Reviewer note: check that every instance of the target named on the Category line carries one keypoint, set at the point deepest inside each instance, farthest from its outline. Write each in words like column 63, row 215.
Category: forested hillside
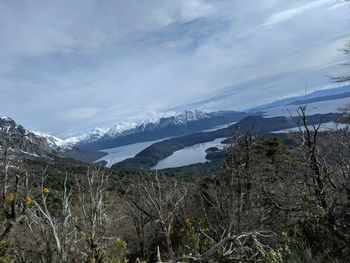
column 268, row 202
column 192, row 131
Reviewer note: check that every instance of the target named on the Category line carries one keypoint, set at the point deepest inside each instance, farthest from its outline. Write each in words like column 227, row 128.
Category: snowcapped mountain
column 86, row 146
column 118, row 130
column 191, row 116
column 21, row 141
column 156, row 128
column 90, row 136
column 56, row 144
column 128, row 128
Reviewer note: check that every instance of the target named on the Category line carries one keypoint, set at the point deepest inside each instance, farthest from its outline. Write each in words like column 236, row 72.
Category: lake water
column 327, row 126
column 220, row 127
column 118, row 154
column 188, row 155
column 319, row 107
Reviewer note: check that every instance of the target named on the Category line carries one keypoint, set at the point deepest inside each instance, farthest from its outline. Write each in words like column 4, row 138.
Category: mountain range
column 187, row 128
column 87, row 146
column 328, row 94
column 128, row 133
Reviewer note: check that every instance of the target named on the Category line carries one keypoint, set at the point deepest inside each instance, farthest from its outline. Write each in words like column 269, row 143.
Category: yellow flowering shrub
column 10, row 197
column 28, row 201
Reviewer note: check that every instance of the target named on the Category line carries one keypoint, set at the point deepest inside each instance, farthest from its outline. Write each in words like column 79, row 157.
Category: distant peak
column 156, row 120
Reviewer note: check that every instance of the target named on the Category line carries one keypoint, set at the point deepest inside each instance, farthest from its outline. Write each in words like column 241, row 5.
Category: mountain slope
column 189, row 122
column 67, row 148
column 150, row 156
column 21, row 141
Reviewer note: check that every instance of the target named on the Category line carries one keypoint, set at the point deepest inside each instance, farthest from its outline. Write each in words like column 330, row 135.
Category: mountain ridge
column 132, row 132
column 341, row 91
column 20, row 141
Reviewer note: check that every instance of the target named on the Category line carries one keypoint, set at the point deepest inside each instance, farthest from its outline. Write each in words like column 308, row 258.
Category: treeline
column 268, row 203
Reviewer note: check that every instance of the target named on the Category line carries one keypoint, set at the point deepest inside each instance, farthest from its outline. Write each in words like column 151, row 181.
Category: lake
column 118, row 154
column 188, row 155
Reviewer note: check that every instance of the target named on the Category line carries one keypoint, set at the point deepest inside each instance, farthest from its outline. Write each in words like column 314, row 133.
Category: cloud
column 71, row 65
column 77, row 114
column 289, row 14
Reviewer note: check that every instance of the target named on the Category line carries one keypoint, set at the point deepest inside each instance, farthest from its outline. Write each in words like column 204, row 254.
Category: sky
column 70, row 65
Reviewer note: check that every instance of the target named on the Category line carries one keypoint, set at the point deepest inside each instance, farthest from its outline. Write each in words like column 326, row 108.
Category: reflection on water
column 189, row 155
column 118, row 154
column 223, row 126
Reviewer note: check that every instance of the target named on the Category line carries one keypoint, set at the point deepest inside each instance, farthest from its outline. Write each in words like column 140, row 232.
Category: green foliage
column 194, row 237
column 118, row 252
column 263, row 186
column 5, row 250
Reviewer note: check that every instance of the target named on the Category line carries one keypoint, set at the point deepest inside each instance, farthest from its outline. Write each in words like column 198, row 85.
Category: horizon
column 105, row 63
column 134, row 122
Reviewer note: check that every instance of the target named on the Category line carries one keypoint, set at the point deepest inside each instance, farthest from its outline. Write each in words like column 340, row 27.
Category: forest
column 269, row 202
column 273, row 199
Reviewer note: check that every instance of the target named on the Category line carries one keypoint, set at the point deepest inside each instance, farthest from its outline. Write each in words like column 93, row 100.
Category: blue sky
column 67, row 66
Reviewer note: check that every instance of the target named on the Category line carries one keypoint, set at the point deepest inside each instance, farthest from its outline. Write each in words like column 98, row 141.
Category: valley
column 189, row 131
column 183, row 139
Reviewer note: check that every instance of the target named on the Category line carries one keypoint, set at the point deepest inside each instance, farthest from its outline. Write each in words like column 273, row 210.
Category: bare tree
column 326, row 174
column 233, row 248
column 61, row 226
column 345, row 50
column 162, row 202
column 142, row 217
column 228, row 199
column 315, row 177
column 93, row 215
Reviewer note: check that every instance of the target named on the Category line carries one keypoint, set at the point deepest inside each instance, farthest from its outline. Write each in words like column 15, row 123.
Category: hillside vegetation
column 268, row 202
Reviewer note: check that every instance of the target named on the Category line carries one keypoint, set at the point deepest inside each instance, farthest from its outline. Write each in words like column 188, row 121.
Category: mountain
column 56, row 144
column 330, row 94
column 127, row 128
column 258, row 125
column 181, row 124
column 25, row 143
column 20, row 141
column 86, row 146
column 90, row 136
column 67, row 148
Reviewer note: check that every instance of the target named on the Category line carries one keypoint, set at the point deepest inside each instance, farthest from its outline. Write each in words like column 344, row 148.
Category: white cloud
column 77, row 114
column 291, row 13
column 106, row 61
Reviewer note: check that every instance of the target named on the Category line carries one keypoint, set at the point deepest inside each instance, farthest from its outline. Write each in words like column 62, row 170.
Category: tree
column 92, row 215
column 156, row 201
column 60, row 225
column 14, row 187
column 346, row 51
column 326, row 188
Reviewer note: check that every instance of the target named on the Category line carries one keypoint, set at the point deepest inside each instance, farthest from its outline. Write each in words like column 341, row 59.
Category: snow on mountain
column 189, row 116
column 7, row 124
column 156, row 121
column 55, row 143
column 21, row 140
column 130, row 127
column 120, row 128
column 90, row 136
